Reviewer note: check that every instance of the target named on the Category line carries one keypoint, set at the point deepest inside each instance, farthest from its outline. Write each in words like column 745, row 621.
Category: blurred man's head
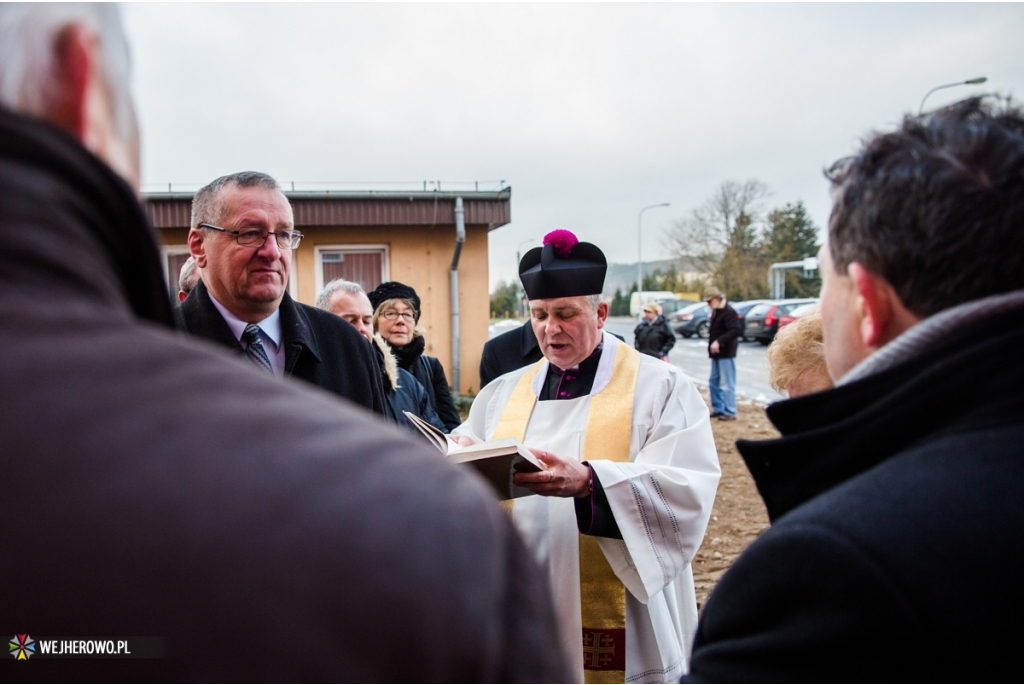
column 187, row 278
column 245, row 267
column 349, row 301
column 924, row 218
column 67, row 63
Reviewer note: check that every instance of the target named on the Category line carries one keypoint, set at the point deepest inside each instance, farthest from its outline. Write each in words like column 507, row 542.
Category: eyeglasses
column 391, row 315
column 257, row 237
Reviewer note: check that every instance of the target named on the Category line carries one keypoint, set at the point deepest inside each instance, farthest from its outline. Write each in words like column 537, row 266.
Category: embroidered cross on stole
column 602, row 594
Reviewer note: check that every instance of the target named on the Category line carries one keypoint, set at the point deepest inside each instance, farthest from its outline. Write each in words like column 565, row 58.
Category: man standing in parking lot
column 723, row 339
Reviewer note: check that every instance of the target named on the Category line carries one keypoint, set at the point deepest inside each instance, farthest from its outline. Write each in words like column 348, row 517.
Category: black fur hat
column 392, row 289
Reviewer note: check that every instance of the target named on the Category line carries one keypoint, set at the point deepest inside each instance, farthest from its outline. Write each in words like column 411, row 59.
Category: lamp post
column 968, row 82
column 519, row 296
column 639, row 258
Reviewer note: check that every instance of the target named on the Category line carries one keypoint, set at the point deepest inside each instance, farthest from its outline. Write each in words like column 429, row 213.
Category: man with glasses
column 242, row 237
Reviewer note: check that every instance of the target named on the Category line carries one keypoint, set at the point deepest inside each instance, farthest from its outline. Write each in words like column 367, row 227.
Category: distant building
column 370, row 237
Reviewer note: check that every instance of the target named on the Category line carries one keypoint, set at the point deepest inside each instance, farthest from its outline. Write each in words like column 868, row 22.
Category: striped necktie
column 254, row 347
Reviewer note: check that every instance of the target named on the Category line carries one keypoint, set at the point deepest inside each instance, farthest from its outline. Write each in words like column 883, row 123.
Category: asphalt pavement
column 691, row 355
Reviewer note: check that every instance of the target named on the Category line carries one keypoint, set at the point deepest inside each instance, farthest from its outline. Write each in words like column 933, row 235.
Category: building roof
column 359, row 208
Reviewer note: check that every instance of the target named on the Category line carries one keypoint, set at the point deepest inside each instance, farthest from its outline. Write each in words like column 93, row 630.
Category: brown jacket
column 154, row 485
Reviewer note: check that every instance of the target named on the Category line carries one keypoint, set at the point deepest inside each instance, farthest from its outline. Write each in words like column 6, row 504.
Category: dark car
column 670, row 307
column 742, row 308
column 692, row 320
column 762, row 321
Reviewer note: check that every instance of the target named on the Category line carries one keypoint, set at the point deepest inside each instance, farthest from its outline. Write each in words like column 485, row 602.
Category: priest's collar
column 568, row 384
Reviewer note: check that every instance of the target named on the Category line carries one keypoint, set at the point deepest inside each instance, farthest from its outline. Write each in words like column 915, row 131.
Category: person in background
column 796, row 357
column 402, row 392
column 723, row 340
column 895, row 498
column 507, row 352
column 187, row 278
column 163, row 488
column 652, row 336
column 396, row 311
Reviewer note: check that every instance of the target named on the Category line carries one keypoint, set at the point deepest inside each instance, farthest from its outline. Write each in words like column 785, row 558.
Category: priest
column 630, row 474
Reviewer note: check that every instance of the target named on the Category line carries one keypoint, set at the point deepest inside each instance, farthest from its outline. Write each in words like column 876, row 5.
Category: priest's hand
column 560, row 477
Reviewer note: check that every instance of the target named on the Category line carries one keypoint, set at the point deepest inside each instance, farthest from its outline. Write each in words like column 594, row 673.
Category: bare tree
column 720, row 239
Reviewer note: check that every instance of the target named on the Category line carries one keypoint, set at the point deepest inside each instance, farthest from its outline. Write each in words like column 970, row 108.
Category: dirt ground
column 738, row 516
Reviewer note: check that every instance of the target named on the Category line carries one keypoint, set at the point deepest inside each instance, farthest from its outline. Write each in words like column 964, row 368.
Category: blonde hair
column 798, row 349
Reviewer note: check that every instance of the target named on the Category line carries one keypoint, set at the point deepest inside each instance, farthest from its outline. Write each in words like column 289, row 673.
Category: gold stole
column 602, row 594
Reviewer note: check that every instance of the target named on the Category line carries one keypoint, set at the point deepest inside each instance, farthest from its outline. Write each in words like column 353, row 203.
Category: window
column 366, row 265
column 174, row 257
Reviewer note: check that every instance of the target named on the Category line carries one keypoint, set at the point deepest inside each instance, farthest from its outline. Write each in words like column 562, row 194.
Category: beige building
column 372, row 237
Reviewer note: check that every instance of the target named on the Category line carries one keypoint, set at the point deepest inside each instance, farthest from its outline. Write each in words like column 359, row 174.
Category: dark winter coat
column 724, row 327
column 897, row 504
column 654, row 338
column 156, row 486
column 429, row 372
column 402, row 392
column 507, row 352
column 320, row 348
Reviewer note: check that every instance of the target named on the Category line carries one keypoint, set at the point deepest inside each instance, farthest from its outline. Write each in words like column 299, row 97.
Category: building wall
column 418, row 256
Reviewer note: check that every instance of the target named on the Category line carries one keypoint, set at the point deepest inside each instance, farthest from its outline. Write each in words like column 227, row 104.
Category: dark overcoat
column 155, row 486
column 725, row 328
column 507, row 352
column 654, row 338
column 320, row 348
column 897, row 508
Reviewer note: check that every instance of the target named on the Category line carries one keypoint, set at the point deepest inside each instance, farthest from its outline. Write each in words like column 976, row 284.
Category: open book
column 497, row 460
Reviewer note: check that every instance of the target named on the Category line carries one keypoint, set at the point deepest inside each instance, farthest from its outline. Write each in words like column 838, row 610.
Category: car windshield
column 693, row 308
column 759, row 310
column 802, row 310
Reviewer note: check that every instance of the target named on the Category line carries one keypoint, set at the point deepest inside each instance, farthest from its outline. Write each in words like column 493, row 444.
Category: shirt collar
column 270, row 327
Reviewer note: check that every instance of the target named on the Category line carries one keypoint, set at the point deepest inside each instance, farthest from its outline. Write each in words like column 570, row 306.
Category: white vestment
column 661, row 500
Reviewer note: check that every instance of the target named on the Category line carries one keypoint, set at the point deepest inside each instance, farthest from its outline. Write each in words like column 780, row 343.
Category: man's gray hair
column 206, row 203
column 323, row 300
column 594, row 301
column 189, row 275
column 28, row 47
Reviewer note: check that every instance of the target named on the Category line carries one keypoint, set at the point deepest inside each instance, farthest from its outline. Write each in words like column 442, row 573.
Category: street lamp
column 968, row 82
column 519, row 297
column 639, row 259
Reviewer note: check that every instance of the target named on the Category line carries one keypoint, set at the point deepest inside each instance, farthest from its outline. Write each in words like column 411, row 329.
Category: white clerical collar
column 270, row 327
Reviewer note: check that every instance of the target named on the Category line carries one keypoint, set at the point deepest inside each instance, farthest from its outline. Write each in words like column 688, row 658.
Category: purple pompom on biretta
column 562, row 241
column 564, row 267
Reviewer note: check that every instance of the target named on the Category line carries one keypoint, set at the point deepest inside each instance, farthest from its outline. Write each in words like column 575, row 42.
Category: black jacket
column 507, row 352
column 156, row 486
column 726, row 329
column 654, row 338
column 429, row 372
column 320, row 348
column 897, row 504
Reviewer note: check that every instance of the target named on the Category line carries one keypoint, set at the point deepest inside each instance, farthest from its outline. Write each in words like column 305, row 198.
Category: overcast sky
column 589, row 111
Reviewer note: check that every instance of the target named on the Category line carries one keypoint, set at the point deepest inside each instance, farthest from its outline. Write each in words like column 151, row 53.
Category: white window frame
column 171, row 251
column 318, row 260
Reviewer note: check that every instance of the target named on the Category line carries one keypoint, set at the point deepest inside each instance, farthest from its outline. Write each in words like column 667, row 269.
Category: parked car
column 670, row 306
column 692, row 320
column 742, row 308
column 762, row 321
column 796, row 314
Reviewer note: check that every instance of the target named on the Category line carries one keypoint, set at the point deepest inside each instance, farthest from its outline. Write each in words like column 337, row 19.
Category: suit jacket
column 165, row 488
column 508, row 352
column 320, row 348
column 897, row 527
column 726, row 329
